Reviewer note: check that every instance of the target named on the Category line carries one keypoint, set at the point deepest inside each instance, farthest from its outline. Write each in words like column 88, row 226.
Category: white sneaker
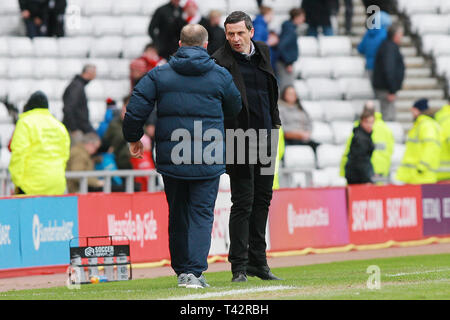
column 182, row 279
column 196, row 283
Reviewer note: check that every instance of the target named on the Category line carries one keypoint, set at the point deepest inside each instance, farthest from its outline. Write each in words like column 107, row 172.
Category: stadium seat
column 301, row 89
column 77, row 47
column 8, row 7
column 116, row 89
column 127, row 7
column 423, row 24
column 429, row 41
column 107, row 47
column 314, row 109
column 95, row 90
column 119, row 69
column 335, row 177
column 4, row 47
column 4, row 115
column 97, row 7
column 45, row 47
column 46, row 68
column 56, row 109
column 310, row 67
column 444, row 7
column 419, row 6
column 329, row 155
column 277, row 22
column 337, row 110
column 97, row 109
column 301, row 157
column 442, row 65
column 20, row 47
column 321, row 132
column 3, row 88
column 341, row 131
column 308, row 46
column 5, row 156
column 79, row 26
column 4, row 67
column 69, row 68
column 148, row 8
column 135, row 26
column 249, row 7
column 107, row 26
column 102, row 66
column 205, row 6
column 357, row 88
column 20, row 68
column 134, row 46
column 324, row 89
column 397, row 156
column 397, row 131
column 6, row 132
column 335, row 46
column 442, row 48
column 348, row 67
column 320, row 179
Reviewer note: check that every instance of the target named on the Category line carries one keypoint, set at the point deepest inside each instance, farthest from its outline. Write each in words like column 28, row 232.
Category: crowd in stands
column 369, row 148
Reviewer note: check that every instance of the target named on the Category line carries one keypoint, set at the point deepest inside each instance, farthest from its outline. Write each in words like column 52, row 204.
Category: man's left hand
column 136, row 149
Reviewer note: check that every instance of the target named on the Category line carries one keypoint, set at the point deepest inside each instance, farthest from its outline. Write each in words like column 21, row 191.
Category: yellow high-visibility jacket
column 384, row 142
column 280, row 154
column 422, row 154
column 40, row 150
column 443, row 118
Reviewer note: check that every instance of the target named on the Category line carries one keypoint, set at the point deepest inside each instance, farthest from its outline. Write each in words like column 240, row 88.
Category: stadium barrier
column 35, row 231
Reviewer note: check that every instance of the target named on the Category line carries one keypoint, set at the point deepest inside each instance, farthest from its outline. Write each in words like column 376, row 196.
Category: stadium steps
column 419, row 82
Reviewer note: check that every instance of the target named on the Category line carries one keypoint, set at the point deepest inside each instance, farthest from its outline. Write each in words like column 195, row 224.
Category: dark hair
column 283, row 93
column 149, row 46
column 295, row 12
column 238, row 16
column 367, row 113
column 393, row 29
column 265, row 10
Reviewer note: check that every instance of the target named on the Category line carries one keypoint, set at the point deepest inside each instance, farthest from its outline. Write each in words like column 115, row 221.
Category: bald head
column 194, row 35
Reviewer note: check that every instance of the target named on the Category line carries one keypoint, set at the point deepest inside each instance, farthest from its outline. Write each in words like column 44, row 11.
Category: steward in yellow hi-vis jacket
column 423, row 148
column 40, row 149
column 383, row 140
column 443, row 119
column 280, row 154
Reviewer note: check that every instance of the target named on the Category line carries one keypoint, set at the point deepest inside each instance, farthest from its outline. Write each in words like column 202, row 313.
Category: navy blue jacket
column 191, row 87
column 288, row 46
column 389, row 68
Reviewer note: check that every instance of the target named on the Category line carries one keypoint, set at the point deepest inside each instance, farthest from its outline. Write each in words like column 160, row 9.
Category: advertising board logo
column 367, row 215
column 401, row 212
column 307, row 218
column 89, row 251
column 51, row 233
column 4, row 235
column 100, row 251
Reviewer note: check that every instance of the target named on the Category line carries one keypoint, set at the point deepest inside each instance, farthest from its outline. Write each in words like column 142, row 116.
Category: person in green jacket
column 40, row 149
column 383, row 140
column 443, row 119
column 423, row 148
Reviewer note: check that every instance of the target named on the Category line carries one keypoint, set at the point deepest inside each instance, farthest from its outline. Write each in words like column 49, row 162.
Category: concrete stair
column 419, row 82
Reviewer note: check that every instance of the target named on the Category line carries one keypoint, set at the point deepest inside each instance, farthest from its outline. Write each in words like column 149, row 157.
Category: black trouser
column 348, row 15
column 250, row 199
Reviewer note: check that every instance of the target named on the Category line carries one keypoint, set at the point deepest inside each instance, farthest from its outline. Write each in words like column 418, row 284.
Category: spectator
column 57, row 9
column 81, row 160
column 383, row 140
column 318, row 14
column 443, row 119
column 111, row 112
column 372, row 40
column 288, row 47
column 216, row 34
column 389, row 72
column 261, row 24
column 35, row 15
column 40, row 150
column 165, row 28
column 146, row 62
column 191, row 14
column 348, row 16
column 251, row 189
column 75, row 110
column 359, row 167
column 190, row 88
column 297, row 124
column 423, row 147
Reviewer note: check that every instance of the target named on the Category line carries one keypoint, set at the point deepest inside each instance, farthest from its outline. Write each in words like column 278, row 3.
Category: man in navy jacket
column 193, row 95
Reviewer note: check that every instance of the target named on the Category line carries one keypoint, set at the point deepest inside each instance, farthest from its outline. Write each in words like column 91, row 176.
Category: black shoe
column 239, row 277
column 263, row 274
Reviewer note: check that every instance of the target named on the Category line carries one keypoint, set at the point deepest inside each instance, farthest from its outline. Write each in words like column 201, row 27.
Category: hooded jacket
column 443, row 118
column 40, row 150
column 374, row 38
column 193, row 94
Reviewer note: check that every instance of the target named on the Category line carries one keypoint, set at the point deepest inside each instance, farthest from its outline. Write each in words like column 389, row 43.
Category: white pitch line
column 417, row 272
column 208, row 295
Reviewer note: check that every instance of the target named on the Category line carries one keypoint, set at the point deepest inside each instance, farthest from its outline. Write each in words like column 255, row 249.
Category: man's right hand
column 25, row 14
column 137, row 149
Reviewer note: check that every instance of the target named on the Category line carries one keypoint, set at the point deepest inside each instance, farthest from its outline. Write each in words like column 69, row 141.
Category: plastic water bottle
column 109, row 270
column 80, row 276
column 92, row 271
column 122, row 270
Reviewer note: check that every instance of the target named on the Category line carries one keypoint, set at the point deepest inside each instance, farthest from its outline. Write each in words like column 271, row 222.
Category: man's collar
column 248, row 56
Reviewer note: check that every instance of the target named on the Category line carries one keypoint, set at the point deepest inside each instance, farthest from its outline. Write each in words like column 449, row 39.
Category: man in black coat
column 75, row 110
column 34, row 14
column 318, row 14
column 251, row 189
column 56, row 11
column 389, row 72
column 165, row 28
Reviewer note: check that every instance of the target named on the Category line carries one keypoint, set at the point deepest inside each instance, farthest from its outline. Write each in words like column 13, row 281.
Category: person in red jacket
column 146, row 62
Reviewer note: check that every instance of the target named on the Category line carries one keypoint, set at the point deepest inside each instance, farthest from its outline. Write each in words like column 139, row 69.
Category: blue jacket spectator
column 190, row 87
column 288, row 46
column 374, row 37
column 261, row 29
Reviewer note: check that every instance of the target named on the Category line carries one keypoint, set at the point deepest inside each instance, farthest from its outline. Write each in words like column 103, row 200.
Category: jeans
column 191, row 217
column 312, row 31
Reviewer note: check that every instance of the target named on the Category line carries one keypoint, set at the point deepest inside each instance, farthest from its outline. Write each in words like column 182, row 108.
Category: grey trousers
column 387, row 108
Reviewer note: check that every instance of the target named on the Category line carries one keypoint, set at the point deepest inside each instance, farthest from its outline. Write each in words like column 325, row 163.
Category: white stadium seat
column 97, row 109
column 301, row 157
column 321, row 132
column 135, row 26
column 4, row 47
column 348, row 67
column 341, row 131
column 134, row 46
column 77, row 47
column 429, row 42
column 4, row 115
column 324, row 88
column 45, row 47
column 56, row 108
column 335, row 46
column 310, row 67
column 249, row 7
column 357, row 88
column 308, row 46
column 397, row 131
column 116, row 89
column 20, row 68
column 107, row 47
column 329, row 155
column 6, row 132
column 119, row 68
column 20, row 47
column 4, row 63
column 5, row 157
column 69, row 68
column 95, row 90
column 102, row 67
column 301, row 89
column 127, row 7
column 338, row 110
column 97, row 7
column 397, row 156
column 314, row 109
column 107, row 26
column 9, row 7
column 419, row 6
column 46, row 68
column 148, row 8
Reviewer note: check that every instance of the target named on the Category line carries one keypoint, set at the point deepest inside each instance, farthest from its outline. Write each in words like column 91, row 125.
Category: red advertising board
column 300, row 218
column 142, row 217
column 381, row 213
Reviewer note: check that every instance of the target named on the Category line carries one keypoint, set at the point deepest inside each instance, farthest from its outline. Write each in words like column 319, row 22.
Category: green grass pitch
column 412, row 277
